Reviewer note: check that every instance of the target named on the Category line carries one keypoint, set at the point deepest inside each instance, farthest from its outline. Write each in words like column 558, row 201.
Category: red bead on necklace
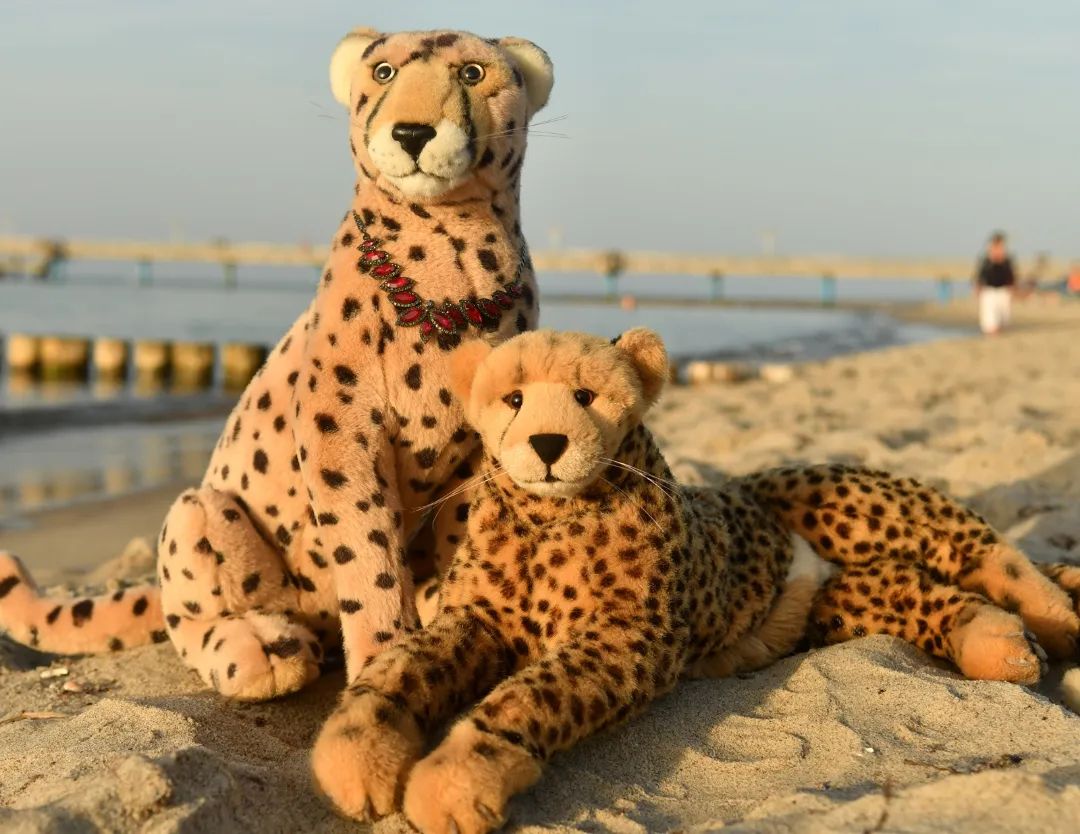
column 413, row 310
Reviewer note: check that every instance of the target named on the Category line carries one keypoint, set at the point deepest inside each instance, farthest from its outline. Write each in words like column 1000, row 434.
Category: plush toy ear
column 535, row 65
column 346, row 57
column 464, row 362
column 649, row 357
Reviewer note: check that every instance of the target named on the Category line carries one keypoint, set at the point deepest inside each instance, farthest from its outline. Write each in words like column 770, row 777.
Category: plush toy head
column 554, row 407
column 431, row 111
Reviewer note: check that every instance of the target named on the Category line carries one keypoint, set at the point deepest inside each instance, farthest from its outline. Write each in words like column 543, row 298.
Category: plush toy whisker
column 635, row 503
column 642, row 472
column 561, row 118
column 655, row 480
column 325, row 114
column 548, row 134
column 530, row 129
column 465, row 486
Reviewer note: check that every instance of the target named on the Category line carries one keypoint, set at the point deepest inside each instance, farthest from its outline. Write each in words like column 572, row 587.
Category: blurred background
column 881, row 141
column 842, row 126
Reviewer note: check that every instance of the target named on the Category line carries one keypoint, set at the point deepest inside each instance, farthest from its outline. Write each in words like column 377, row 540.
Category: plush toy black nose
column 412, row 137
column 549, row 447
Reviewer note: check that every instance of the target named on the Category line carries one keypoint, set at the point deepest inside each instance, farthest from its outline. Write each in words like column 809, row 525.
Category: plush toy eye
column 383, row 72
column 472, row 73
column 584, row 397
column 514, row 399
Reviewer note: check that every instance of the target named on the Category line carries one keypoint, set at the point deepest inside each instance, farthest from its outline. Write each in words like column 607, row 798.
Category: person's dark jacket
column 996, row 273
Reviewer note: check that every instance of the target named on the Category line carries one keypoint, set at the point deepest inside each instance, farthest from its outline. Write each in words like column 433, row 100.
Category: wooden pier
column 44, row 257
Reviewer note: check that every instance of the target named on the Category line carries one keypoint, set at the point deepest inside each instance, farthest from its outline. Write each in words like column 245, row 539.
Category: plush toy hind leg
column 853, row 516
column 1066, row 577
column 889, row 596
column 778, row 635
column 230, row 603
column 996, row 569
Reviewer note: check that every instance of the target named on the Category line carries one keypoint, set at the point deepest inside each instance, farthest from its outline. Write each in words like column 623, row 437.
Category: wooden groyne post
column 145, row 362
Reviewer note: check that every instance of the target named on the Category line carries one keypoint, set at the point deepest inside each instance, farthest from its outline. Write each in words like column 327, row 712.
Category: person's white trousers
column 995, row 305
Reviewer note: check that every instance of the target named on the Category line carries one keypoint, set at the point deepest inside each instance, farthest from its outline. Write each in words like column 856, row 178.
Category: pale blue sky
column 840, row 125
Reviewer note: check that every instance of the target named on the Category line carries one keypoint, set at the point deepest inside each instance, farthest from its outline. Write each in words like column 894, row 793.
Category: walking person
column 995, row 284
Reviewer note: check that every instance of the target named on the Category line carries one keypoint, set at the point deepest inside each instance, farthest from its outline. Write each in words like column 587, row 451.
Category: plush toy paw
column 1043, row 603
column 364, row 753
column 993, row 645
column 1067, row 577
column 462, row 787
column 256, row 657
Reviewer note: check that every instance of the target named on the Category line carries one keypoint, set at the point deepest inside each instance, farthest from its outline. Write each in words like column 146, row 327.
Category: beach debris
column 1029, row 510
column 698, row 372
column 1062, row 541
column 730, row 372
column 84, row 687
column 702, row 371
column 1070, row 689
column 32, row 715
column 776, row 373
column 55, row 672
column 974, row 765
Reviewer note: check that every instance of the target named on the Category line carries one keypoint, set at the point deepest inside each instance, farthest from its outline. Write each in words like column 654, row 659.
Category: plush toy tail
column 131, row 617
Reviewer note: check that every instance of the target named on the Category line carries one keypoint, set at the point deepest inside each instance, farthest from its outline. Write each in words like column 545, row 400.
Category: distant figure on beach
column 995, row 284
column 1070, row 285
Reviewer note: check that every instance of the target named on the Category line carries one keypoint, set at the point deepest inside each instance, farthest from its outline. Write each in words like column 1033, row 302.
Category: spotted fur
column 590, row 583
column 296, row 538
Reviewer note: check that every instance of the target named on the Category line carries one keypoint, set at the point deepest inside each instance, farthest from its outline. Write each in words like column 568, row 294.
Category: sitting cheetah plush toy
column 589, row 583
column 322, row 474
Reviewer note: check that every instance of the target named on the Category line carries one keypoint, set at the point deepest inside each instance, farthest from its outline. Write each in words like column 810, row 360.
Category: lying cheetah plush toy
column 349, row 430
column 590, row 582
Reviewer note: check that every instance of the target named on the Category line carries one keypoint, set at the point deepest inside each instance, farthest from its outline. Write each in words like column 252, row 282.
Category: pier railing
column 45, row 257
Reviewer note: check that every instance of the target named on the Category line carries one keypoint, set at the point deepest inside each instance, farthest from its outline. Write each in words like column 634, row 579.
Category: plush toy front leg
column 463, row 787
column 497, row 750
column 369, row 744
column 350, row 473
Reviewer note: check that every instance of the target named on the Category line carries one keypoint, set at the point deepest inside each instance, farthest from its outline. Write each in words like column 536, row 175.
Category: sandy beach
column 868, row 736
